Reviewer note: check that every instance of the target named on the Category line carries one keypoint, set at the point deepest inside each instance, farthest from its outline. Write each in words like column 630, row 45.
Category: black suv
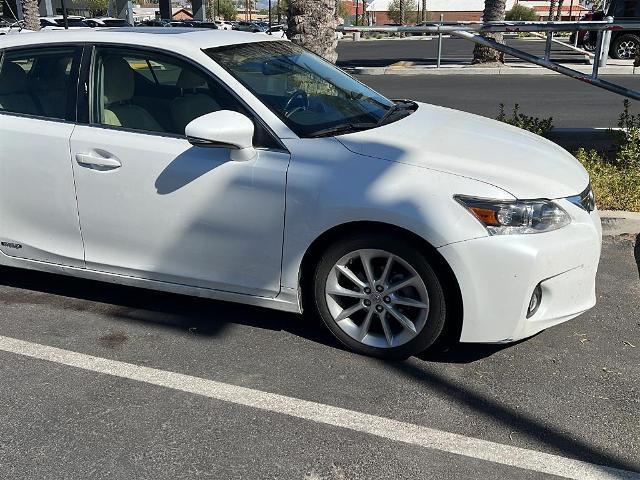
column 624, row 43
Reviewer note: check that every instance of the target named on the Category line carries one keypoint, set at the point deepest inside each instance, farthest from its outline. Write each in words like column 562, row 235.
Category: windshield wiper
column 395, row 108
column 341, row 128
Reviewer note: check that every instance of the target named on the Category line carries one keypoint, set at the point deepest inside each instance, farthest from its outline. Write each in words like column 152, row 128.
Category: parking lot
column 572, row 391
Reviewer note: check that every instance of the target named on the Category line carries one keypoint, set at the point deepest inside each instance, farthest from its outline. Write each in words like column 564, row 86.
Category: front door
column 152, row 205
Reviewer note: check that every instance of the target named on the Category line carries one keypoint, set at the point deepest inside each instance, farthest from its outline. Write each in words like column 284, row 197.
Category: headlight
column 503, row 217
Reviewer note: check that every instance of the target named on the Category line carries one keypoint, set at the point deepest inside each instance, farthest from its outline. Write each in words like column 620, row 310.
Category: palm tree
column 559, row 14
column 552, row 9
column 31, row 14
column 312, row 24
column 494, row 11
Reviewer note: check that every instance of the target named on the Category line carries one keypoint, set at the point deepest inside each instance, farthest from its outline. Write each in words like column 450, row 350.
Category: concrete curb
column 616, row 223
column 403, row 69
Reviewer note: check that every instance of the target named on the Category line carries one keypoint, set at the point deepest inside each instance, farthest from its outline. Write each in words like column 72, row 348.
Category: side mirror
column 224, row 129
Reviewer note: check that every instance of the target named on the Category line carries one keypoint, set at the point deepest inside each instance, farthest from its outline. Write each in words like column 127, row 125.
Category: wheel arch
column 453, row 294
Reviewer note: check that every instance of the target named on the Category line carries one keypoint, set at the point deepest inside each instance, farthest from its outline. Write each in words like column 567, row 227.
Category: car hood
column 525, row 165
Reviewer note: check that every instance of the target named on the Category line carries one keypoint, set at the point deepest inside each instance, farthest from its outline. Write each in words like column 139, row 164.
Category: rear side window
column 38, row 82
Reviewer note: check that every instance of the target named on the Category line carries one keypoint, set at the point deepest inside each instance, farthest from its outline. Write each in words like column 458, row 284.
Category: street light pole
column 269, row 13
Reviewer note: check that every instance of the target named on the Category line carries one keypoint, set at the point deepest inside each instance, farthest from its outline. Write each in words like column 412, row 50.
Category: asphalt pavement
column 572, row 391
column 571, row 103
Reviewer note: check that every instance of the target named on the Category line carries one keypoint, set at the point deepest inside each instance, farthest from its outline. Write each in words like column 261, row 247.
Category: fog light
column 534, row 303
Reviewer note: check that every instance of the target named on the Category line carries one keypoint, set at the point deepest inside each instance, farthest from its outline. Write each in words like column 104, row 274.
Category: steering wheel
column 297, row 95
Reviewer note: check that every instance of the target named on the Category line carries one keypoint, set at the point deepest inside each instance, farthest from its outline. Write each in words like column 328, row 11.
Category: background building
column 471, row 10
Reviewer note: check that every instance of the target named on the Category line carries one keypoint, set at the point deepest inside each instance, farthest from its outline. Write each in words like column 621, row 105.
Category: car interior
column 152, row 93
column 36, row 84
column 157, row 94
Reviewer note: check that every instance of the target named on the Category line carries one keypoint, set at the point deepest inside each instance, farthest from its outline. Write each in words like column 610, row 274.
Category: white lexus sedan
column 238, row 167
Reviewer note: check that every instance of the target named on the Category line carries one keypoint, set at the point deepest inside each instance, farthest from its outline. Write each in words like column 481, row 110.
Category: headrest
column 13, row 78
column 190, row 80
column 118, row 80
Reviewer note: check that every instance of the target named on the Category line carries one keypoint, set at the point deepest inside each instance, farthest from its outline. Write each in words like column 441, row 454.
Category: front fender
column 328, row 186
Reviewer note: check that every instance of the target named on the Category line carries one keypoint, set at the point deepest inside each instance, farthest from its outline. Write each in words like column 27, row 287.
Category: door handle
column 97, row 162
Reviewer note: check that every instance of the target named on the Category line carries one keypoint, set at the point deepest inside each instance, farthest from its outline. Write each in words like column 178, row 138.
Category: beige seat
column 119, row 87
column 190, row 104
column 14, row 91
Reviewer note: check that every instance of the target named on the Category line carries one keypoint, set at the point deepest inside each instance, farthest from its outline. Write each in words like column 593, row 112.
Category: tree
column 494, row 11
column 221, row 8
column 312, row 24
column 342, row 10
column 400, row 10
column 31, row 14
column 552, row 9
column 96, row 8
column 559, row 14
column 521, row 13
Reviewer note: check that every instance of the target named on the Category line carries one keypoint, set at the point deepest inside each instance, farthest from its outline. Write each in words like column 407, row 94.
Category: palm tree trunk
column 552, row 9
column 312, row 24
column 559, row 15
column 424, row 10
column 494, row 11
column 31, row 14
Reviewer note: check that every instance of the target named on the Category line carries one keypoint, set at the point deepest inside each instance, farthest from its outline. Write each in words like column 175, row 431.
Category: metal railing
column 473, row 31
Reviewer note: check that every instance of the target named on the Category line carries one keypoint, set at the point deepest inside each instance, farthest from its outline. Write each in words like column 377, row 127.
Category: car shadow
column 516, row 420
column 200, row 316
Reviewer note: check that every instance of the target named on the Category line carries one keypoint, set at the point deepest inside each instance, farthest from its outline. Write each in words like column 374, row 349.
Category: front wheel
column 379, row 296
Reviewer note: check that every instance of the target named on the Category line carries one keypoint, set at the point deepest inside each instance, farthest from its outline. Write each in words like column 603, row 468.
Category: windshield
column 309, row 94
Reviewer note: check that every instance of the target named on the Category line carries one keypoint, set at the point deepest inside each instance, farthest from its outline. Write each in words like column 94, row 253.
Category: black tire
column 410, row 253
column 625, row 47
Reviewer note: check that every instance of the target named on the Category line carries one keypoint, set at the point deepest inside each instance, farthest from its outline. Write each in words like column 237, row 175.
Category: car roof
column 173, row 39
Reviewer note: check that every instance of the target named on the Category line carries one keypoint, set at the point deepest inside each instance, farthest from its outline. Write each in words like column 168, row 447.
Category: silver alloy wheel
column 627, row 49
column 377, row 298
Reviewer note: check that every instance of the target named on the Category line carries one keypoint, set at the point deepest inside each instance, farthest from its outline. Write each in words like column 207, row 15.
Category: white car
column 238, row 167
column 57, row 23
column 224, row 25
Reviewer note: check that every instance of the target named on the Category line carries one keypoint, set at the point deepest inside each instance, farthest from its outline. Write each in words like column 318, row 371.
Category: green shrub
column 539, row 126
column 616, row 187
column 616, row 181
column 521, row 13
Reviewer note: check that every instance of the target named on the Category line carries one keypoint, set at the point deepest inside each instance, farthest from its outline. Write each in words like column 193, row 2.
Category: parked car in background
column 153, row 23
column 245, row 168
column 624, row 43
column 194, row 24
column 277, row 31
column 106, row 22
column 57, row 23
column 224, row 25
column 249, row 27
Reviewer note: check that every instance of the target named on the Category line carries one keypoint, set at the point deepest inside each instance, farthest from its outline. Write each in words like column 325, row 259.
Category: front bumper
column 497, row 276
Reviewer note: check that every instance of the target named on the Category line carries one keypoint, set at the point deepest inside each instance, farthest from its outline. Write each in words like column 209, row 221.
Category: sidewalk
column 614, row 67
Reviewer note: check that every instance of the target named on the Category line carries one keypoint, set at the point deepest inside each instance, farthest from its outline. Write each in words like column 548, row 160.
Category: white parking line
column 326, row 414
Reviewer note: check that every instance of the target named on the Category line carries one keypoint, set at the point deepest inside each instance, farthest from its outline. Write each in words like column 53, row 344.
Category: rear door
column 38, row 211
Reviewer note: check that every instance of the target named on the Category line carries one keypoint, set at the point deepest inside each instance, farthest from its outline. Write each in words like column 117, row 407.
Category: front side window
column 310, row 95
column 156, row 93
column 38, row 82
